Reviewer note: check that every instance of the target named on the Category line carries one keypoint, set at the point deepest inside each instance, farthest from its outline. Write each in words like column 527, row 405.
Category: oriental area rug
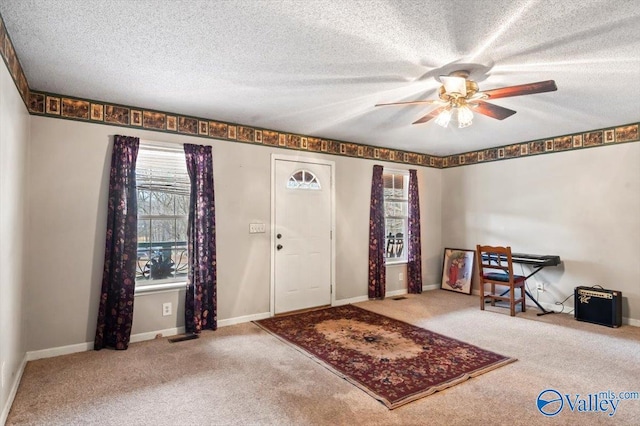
column 391, row 360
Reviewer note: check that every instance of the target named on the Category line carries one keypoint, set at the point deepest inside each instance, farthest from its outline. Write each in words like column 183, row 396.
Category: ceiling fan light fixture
column 444, row 117
column 459, row 95
column 455, row 86
column 465, row 116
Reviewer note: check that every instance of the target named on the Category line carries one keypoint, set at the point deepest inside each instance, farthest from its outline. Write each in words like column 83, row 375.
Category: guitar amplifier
column 598, row 305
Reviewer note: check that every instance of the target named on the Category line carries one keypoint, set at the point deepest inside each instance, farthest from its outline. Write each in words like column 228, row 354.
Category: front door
column 302, row 231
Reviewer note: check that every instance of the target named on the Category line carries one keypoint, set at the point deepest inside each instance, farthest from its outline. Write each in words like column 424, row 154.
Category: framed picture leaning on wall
column 457, row 270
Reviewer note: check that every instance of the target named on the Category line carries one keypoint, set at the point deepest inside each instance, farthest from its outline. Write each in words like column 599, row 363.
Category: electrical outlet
column 400, row 276
column 166, row 309
column 540, row 287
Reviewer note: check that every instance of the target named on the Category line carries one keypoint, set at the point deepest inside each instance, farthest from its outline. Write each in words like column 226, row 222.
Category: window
column 396, row 214
column 303, row 179
column 163, row 188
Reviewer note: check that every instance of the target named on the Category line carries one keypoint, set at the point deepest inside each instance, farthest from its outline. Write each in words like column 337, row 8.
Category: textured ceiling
column 318, row 68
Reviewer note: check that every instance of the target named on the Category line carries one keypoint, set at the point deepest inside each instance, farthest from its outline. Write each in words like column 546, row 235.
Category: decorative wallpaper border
column 72, row 108
column 10, row 58
column 59, row 106
column 589, row 139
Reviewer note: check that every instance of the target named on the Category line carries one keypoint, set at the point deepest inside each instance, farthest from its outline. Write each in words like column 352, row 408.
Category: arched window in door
column 303, row 179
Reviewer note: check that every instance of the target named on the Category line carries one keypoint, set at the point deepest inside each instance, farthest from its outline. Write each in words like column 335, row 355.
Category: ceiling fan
column 461, row 96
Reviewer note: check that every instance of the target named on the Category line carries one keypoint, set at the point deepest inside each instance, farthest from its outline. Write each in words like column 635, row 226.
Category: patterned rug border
column 410, row 398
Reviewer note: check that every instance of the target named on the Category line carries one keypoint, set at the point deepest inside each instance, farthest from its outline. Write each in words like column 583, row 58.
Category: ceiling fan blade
column 433, row 114
column 491, row 110
column 522, row 89
column 428, row 101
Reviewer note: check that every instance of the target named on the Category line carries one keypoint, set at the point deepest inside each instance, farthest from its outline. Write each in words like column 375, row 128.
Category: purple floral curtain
column 414, row 252
column 377, row 268
column 200, row 305
column 115, row 314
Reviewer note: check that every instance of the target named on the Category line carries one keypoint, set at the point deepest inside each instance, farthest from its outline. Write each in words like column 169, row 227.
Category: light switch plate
column 257, row 228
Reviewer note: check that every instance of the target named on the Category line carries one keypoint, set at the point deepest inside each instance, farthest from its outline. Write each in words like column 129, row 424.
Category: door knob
column 279, row 236
column 279, row 246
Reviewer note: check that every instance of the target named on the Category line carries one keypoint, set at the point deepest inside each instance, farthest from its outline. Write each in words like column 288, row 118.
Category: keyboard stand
column 544, row 311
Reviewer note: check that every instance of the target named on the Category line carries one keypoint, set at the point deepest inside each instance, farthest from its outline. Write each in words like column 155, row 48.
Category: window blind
column 162, row 169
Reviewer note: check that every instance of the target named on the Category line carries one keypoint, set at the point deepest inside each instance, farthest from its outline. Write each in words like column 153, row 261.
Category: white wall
column 581, row 205
column 68, row 169
column 14, row 136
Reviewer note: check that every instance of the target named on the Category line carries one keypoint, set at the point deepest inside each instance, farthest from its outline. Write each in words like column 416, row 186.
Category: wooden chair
column 495, row 267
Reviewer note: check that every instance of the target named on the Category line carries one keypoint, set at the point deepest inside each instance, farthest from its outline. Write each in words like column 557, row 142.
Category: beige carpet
column 244, row 376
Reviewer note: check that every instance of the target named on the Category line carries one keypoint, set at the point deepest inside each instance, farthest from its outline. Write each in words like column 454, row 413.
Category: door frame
column 332, row 256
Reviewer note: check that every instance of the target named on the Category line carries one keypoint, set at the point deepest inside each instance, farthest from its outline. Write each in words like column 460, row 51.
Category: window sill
column 396, row 262
column 159, row 288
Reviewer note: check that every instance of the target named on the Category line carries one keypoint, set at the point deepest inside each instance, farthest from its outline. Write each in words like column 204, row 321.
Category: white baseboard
column 14, row 390
column 60, row 350
column 150, row 335
column 555, row 308
column 87, row 346
column 431, row 287
column 350, row 301
column 547, row 306
column 387, row 294
column 139, row 337
column 242, row 319
column 395, row 293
